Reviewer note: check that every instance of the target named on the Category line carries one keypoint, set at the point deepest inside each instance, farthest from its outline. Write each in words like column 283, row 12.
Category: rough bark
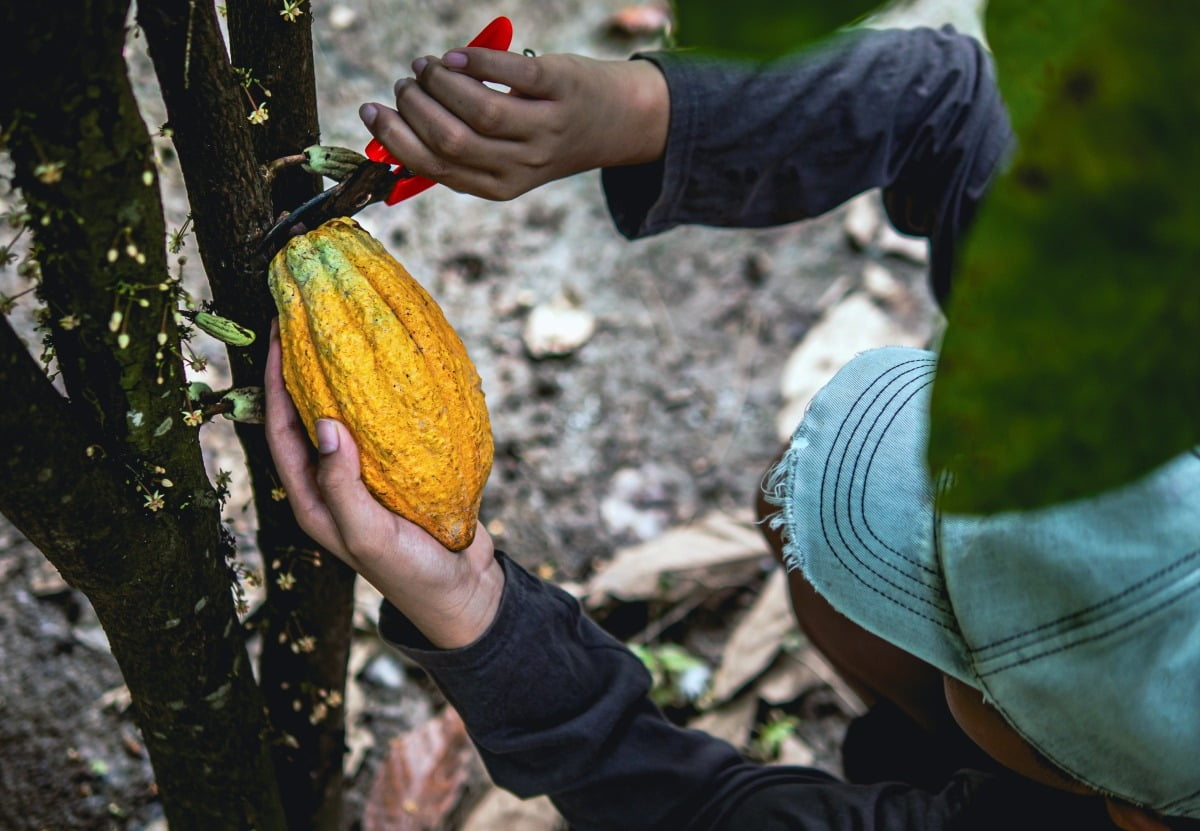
column 109, row 482
column 320, row 601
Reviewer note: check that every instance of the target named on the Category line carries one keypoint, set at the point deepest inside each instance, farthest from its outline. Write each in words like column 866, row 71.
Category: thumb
column 339, row 478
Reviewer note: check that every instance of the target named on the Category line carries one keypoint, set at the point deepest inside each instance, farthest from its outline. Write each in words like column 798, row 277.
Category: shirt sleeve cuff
column 400, row 632
column 641, row 198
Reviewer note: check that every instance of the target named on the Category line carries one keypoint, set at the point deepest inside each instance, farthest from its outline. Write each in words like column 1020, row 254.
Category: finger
column 367, row 527
column 472, row 175
column 488, row 112
column 456, row 116
column 292, row 453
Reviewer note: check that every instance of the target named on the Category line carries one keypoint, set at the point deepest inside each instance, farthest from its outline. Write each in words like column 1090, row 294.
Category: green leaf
column 1070, row 364
column 762, row 28
column 772, row 734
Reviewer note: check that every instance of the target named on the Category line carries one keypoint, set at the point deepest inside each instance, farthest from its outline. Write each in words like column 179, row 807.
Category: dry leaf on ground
column 789, row 678
column 698, row 551
column 732, row 721
column 641, row 20
column 853, row 325
column 500, row 810
column 422, row 778
column 756, row 640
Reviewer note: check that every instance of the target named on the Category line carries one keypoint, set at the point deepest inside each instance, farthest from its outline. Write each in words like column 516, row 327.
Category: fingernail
column 368, row 113
column 418, row 65
column 455, row 59
column 327, row 436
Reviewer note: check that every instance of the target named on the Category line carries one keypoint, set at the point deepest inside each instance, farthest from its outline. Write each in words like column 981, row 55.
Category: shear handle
column 496, row 35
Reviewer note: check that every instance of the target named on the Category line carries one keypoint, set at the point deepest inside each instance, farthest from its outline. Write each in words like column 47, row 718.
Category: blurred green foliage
column 761, row 28
column 678, row 677
column 1070, row 364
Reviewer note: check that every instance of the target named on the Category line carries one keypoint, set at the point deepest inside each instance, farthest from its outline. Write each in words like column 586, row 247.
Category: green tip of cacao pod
column 334, row 162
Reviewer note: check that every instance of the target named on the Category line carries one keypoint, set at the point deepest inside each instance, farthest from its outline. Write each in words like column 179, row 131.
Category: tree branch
column 320, row 602
column 279, row 53
column 222, row 155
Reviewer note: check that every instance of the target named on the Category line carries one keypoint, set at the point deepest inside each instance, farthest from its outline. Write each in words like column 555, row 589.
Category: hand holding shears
column 496, row 35
column 380, row 178
column 563, row 114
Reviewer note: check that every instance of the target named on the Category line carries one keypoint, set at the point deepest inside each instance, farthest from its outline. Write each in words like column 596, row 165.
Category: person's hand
column 450, row 597
column 564, row 114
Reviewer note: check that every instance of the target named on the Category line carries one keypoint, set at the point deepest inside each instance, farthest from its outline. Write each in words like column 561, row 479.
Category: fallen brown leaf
column 756, row 640
column 692, row 555
column 641, row 20
column 422, row 778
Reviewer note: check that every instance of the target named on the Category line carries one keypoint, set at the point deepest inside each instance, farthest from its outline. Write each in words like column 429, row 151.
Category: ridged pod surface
column 365, row 344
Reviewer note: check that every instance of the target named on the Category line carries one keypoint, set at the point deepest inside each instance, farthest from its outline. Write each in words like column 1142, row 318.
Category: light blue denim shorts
column 1079, row 622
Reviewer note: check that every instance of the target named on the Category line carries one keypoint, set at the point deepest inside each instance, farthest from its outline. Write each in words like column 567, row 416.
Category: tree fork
column 85, row 475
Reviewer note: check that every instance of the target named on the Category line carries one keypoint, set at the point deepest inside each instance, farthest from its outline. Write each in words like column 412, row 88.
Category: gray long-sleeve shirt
column 914, row 112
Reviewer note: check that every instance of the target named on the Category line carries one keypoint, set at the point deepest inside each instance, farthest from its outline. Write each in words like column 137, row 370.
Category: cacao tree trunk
column 106, row 476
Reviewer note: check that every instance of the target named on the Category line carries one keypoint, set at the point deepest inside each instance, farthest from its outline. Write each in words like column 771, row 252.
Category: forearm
column 916, row 113
column 631, row 108
column 558, row 707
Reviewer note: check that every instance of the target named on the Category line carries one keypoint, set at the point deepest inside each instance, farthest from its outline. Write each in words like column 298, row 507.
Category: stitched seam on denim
column 1012, row 722
column 833, row 549
column 1028, row 659
column 1068, row 769
column 939, row 588
column 1114, row 599
column 858, row 445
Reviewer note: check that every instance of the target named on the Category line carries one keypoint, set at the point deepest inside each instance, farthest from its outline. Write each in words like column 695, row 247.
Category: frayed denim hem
column 779, row 490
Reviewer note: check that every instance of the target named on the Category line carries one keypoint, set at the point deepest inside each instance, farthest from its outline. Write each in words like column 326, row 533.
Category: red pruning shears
column 496, row 35
column 374, row 180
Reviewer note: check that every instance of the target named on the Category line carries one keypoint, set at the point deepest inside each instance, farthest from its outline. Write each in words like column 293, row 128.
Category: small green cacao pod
column 247, row 404
column 223, row 329
column 335, row 162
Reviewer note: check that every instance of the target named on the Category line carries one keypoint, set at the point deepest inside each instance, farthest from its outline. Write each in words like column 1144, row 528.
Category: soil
column 666, row 413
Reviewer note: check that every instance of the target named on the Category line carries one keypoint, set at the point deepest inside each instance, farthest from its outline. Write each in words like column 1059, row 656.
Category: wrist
column 644, row 105
column 479, row 610
column 463, row 614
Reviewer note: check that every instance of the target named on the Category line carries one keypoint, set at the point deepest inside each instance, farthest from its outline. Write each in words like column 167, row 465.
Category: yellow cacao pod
column 365, row 344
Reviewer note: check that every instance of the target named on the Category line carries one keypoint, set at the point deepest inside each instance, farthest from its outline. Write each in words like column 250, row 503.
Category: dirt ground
column 666, row 413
